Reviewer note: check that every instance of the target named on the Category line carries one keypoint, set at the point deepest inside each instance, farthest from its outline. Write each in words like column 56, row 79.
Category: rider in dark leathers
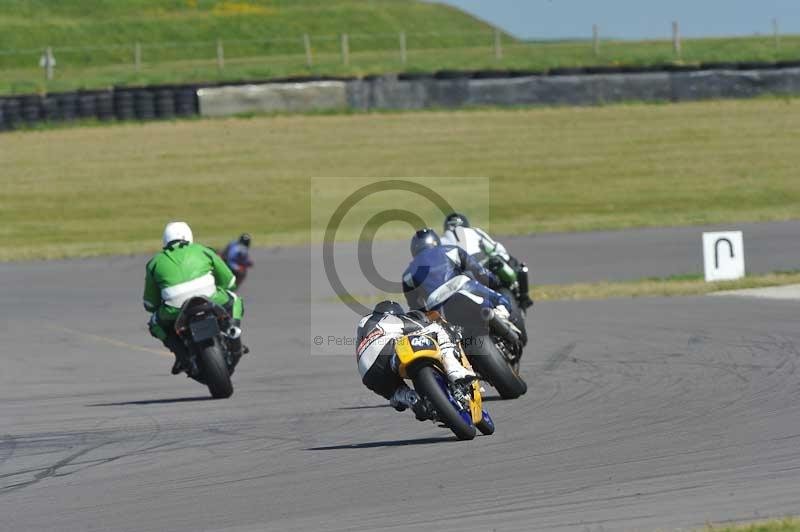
column 375, row 355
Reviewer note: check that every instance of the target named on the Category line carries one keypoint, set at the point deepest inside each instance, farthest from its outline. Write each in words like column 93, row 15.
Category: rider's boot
column 525, row 300
column 181, row 354
column 403, row 397
column 178, row 366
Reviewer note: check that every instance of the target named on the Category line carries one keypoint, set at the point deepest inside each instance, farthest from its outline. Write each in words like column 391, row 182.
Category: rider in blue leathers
column 436, row 272
column 237, row 256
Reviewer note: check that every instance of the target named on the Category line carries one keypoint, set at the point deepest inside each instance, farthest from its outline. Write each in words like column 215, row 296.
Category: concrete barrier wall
column 273, row 97
column 388, row 93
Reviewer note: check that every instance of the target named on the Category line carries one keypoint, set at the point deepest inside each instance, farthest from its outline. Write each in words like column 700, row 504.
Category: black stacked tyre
column 31, row 109
column 144, row 104
column 186, row 101
column 124, row 105
column 87, row 106
column 50, row 109
column 67, row 105
column 12, row 112
column 165, row 104
column 104, row 105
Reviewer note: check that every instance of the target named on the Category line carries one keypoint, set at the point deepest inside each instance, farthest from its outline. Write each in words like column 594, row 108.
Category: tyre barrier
column 31, row 109
column 165, row 104
column 104, row 105
column 123, row 105
column 50, row 110
column 144, row 104
column 756, row 65
column 87, row 106
column 453, row 74
column 12, row 113
column 67, row 105
column 186, row 101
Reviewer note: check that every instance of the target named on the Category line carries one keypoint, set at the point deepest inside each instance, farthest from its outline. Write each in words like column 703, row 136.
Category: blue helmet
column 424, row 239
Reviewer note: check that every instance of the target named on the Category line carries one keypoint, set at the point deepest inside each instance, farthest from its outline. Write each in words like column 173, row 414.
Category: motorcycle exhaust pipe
column 499, row 325
column 233, row 333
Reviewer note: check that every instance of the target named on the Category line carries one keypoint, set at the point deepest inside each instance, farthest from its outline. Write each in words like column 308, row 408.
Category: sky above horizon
column 635, row 19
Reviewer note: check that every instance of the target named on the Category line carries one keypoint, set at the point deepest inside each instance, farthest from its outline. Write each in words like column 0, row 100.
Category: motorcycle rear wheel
column 215, row 372
column 425, row 384
column 487, row 360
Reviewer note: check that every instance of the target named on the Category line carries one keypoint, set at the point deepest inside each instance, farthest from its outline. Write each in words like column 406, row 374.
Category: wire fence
column 66, row 66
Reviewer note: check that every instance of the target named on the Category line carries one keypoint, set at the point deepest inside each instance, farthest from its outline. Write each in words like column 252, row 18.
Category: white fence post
column 403, row 49
column 595, row 40
column 776, row 32
column 345, row 49
column 48, row 62
column 498, row 45
column 307, row 46
column 220, row 56
column 676, row 38
column 137, row 56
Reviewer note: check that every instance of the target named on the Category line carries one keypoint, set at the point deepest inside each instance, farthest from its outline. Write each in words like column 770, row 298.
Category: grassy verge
column 94, row 42
column 788, row 524
column 74, row 192
column 684, row 285
column 375, row 55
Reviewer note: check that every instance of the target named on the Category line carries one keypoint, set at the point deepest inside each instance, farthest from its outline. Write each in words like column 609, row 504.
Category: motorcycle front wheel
column 426, row 385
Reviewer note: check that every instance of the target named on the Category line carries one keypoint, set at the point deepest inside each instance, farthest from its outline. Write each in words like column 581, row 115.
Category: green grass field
column 94, row 42
column 681, row 285
column 789, row 524
column 100, row 190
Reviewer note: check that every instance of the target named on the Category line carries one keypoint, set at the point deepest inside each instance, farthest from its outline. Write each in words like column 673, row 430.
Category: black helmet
column 389, row 307
column 423, row 239
column 455, row 219
column 245, row 239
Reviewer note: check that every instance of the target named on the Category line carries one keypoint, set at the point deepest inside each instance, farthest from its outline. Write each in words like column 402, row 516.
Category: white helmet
column 177, row 231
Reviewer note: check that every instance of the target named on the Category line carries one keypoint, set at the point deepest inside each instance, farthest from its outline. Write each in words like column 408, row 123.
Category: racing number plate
column 204, row 330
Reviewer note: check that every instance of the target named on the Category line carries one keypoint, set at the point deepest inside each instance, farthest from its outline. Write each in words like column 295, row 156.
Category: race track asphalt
column 641, row 414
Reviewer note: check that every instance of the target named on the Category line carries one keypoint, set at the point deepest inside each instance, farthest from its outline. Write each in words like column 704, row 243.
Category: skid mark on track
column 110, row 341
column 78, row 446
column 7, row 446
column 555, row 360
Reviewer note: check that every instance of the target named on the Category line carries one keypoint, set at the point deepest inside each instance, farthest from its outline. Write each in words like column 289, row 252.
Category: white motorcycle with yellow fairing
column 458, row 406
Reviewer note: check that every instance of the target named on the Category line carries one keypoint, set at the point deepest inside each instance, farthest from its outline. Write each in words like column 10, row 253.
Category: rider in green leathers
column 181, row 270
